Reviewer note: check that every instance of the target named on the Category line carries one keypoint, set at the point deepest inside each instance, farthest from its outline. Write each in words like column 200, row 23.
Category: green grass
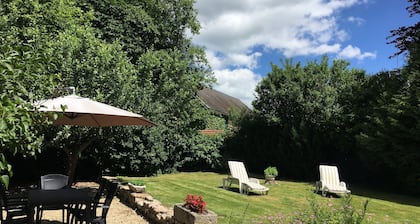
column 285, row 197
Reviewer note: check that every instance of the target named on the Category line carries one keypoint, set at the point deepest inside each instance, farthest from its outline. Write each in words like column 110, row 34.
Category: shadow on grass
column 232, row 189
column 236, row 190
column 370, row 192
column 380, row 194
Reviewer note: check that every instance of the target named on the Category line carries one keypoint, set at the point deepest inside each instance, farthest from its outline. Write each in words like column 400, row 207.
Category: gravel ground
column 119, row 213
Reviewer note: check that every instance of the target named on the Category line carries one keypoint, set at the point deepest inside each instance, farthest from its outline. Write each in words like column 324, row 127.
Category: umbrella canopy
column 80, row 111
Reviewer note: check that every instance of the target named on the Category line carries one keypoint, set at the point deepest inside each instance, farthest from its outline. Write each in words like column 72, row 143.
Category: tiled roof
column 220, row 102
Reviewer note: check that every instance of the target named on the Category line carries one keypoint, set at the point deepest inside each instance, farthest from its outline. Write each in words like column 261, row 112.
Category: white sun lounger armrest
column 234, row 180
column 228, row 181
column 343, row 184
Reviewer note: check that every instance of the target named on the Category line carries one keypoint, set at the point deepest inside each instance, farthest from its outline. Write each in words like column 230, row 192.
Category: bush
column 344, row 213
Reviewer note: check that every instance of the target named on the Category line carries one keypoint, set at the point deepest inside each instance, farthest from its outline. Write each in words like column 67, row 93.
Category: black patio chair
column 15, row 206
column 80, row 213
column 52, row 182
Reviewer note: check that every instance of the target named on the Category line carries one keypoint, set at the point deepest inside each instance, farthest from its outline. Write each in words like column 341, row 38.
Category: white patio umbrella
column 80, row 111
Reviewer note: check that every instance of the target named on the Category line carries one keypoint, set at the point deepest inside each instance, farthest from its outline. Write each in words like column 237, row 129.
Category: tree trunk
column 73, row 155
column 73, row 158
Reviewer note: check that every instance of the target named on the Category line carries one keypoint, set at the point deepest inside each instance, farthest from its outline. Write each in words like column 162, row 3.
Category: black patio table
column 65, row 196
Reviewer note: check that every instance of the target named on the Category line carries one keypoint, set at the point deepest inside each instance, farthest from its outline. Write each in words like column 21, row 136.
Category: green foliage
column 215, row 122
column 271, row 171
column 98, row 70
column 168, row 72
column 345, row 213
column 297, row 117
column 406, row 36
column 368, row 121
column 5, row 171
column 20, row 124
column 388, row 128
column 144, row 25
column 308, row 94
column 236, row 116
column 167, row 86
column 130, row 54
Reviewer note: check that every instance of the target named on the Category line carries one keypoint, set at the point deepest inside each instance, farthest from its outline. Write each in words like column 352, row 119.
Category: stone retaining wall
column 144, row 204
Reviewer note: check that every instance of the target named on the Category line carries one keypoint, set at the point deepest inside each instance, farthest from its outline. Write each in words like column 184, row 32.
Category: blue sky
column 242, row 37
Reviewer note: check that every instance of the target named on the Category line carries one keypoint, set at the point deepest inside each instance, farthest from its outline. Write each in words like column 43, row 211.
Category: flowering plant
column 195, row 203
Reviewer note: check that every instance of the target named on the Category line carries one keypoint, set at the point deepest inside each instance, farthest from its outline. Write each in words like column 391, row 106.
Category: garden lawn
column 285, row 197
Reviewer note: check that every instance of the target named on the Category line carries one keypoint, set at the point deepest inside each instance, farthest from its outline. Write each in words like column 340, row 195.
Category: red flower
column 195, row 203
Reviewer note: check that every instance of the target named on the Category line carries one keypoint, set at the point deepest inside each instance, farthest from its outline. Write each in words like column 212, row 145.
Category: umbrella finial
column 73, row 90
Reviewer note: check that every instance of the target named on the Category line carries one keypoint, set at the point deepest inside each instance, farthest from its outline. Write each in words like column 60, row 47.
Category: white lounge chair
column 330, row 181
column 238, row 175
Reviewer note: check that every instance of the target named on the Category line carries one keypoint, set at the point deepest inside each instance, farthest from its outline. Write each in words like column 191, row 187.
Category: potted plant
column 193, row 210
column 137, row 186
column 270, row 174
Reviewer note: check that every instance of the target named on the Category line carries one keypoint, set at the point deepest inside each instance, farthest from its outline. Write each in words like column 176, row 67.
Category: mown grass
column 285, row 197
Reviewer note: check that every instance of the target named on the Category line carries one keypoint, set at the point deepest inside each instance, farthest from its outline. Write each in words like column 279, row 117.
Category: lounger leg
column 226, row 183
column 317, row 186
column 324, row 192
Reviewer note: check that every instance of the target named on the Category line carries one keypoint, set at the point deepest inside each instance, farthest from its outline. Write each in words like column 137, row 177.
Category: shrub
column 344, row 213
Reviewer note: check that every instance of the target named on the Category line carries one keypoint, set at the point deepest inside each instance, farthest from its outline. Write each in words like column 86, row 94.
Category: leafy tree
column 391, row 129
column 167, row 95
column 388, row 130
column 98, row 70
column 144, row 25
column 20, row 125
column 23, row 79
column 169, row 72
column 62, row 30
column 297, row 117
column 406, row 36
column 131, row 54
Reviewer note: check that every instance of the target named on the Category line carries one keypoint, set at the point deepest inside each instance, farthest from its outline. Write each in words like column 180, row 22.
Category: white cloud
column 354, row 52
column 232, row 29
column 232, row 60
column 239, row 83
column 236, row 26
column 359, row 21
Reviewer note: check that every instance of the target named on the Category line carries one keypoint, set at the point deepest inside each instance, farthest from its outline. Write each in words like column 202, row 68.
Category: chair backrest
column 15, row 207
column 100, row 192
column 329, row 175
column 110, row 189
column 237, row 170
column 54, row 181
